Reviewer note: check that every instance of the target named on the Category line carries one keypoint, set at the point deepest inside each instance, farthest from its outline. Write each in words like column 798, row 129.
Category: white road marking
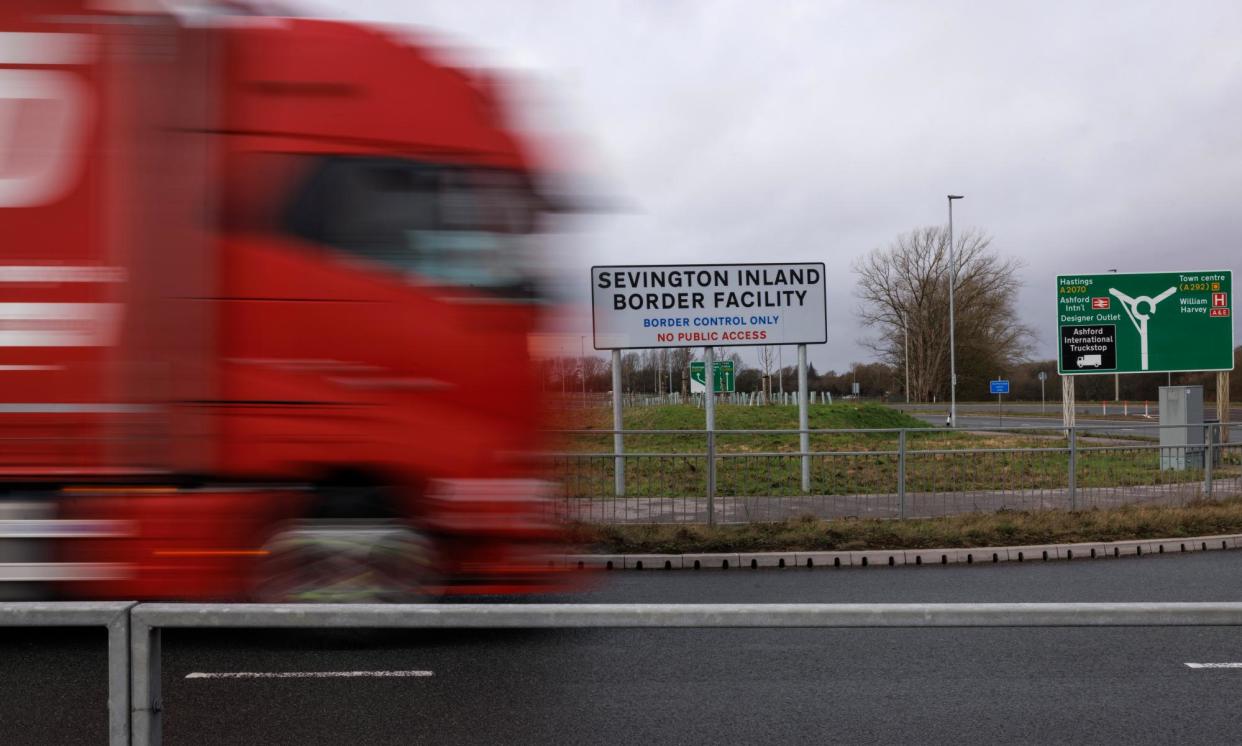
column 310, row 675
column 1214, row 665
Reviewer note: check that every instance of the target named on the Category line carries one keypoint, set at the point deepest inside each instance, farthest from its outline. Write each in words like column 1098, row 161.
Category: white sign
column 695, row 305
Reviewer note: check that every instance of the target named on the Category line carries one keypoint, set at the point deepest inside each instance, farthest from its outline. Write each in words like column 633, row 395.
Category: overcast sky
column 1085, row 136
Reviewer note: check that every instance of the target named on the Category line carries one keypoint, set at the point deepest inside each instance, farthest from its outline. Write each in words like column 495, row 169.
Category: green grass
column 1006, row 528
column 733, row 417
column 765, row 463
column 737, row 417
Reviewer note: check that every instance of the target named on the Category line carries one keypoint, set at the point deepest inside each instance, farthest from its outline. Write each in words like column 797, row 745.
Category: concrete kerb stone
column 824, row 559
column 1035, row 553
column 1210, row 543
column 595, row 561
column 1129, row 548
column 932, row 557
column 983, row 555
column 653, row 561
column 880, row 558
column 1176, row 546
column 767, row 559
column 1081, row 551
column 720, row 561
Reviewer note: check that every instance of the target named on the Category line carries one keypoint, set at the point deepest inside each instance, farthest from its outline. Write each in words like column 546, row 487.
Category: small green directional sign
column 724, row 377
column 1153, row 322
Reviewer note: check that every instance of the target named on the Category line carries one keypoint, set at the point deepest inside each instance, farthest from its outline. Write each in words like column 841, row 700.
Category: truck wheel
column 346, row 561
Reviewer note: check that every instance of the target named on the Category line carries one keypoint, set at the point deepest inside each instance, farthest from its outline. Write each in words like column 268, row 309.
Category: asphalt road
column 692, row 686
column 1091, row 426
column 1053, row 406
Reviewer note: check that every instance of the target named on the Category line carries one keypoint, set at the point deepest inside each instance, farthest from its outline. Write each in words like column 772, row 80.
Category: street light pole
column 952, row 344
column 1116, row 376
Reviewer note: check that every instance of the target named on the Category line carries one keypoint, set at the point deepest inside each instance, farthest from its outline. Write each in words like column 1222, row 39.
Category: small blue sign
column 998, row 387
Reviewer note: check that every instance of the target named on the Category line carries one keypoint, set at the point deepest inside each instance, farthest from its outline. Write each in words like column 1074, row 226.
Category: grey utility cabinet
column 1181, row 447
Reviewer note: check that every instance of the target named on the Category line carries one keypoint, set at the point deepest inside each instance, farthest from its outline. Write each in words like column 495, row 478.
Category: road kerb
column 767, row 559
column 594, row 561
column 911, row 557
column 878, row 558
column 652, row 562
column 825, row 559
column 711, row 561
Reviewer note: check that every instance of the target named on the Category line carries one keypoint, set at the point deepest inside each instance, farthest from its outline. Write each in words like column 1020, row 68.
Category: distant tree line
column 654, row 371
column 641, row 372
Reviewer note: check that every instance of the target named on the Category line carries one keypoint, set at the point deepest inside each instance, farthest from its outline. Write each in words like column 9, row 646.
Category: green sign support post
column 1155, row 322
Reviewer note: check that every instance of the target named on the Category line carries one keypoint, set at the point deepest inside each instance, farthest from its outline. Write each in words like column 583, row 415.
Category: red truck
column 267, row 288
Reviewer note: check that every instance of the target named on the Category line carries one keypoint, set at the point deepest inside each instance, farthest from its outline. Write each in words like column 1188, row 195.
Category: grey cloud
column 1085, row 136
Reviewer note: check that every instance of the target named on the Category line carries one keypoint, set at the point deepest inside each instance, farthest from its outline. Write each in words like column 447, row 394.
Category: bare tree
column 904, row 288
column 597, row 373
column 629, row 371
column 767, row 358
column 649, row 370
column 682, row 356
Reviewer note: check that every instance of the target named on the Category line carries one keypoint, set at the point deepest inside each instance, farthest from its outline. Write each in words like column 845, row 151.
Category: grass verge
column 1007, row 528
column 673, row 464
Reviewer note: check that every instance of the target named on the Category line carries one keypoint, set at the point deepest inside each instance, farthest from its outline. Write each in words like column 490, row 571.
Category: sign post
column 618, row 440
column 1000, row 387
column 709, row 405
column 708, row 305
column 804, row 436
column 1042, row 399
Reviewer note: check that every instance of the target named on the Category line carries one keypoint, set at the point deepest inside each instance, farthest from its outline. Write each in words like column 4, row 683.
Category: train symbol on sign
column 1100, row 304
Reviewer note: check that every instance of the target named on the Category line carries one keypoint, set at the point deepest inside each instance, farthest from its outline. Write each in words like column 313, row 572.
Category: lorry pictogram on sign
column 1089, row 348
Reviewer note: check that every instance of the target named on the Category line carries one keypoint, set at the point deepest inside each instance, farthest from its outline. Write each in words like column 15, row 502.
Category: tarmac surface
column 1032, row 685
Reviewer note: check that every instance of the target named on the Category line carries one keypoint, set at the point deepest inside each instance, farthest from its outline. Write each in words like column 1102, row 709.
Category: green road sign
column 724, row 377
column 1153, row 322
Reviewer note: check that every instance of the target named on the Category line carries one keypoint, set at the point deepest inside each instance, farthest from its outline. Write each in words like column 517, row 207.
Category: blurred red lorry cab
column 266, row 295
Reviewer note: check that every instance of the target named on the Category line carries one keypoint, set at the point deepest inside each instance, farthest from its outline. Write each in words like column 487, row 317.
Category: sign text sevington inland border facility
column 695, row 305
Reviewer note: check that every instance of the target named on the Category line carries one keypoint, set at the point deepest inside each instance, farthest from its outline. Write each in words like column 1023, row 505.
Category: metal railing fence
column 572, row 400
column 731, row 476
column 112, row 615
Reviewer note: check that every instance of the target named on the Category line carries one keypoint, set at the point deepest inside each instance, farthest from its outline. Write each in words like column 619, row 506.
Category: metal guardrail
column 690, row 476
column 134, row 630
column 112, row 615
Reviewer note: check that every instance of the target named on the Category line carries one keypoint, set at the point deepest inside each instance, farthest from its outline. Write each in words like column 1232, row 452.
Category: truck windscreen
column 437, row 224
